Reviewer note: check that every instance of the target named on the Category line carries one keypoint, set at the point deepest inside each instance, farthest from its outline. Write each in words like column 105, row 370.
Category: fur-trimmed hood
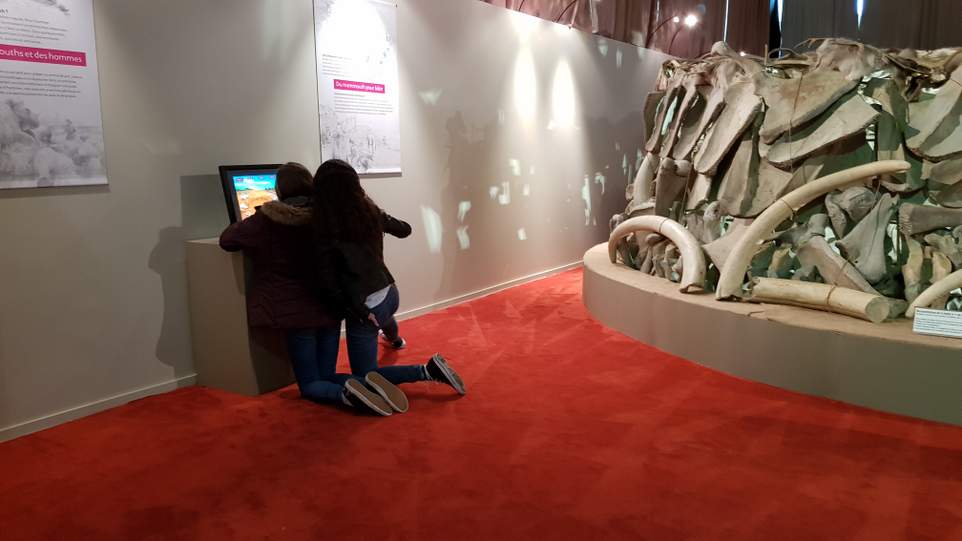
column 295, row 211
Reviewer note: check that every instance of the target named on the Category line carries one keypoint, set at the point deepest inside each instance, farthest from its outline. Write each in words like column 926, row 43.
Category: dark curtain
column 805, row 19
column 748, row 22
column 919, row 24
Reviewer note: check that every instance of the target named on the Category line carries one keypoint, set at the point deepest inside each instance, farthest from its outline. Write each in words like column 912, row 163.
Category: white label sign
column 51, row 132
column 357, row 83
column 938, row 322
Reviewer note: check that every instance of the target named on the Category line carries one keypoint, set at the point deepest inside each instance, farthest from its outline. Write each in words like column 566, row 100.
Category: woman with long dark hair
column 349, row 233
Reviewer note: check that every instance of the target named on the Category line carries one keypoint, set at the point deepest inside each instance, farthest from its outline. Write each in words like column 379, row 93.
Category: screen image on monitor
column 247, row 187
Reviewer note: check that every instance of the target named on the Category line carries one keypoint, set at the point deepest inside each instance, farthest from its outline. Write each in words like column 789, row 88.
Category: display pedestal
column 885, row 366
column 228, row 354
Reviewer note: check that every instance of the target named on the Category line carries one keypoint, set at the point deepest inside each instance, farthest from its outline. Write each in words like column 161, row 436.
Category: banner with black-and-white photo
column 51, row 132
column 357, row 73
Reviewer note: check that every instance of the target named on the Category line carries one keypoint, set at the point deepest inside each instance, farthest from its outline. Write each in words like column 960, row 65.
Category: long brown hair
column 342, row 210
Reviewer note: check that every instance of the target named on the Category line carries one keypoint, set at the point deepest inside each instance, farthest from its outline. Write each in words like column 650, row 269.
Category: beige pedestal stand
column 229, row 355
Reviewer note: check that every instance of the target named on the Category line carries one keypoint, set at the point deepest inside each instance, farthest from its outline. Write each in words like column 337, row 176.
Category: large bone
column 853, row 115
column 691, row 252
column 827, row 298
column 751, row 183
column 936, row 291
column 733, row 273
column 691, row 97
column 741, row 107
column 700, row 190
column 691, row 127
column 864, row 246
column 651, row 110
column 925, row 117
column 670, row 184
column 706, row 225
column 668, row 102
column 719, row 250
column 889, row 142
column 945, row 182
column 915, row 219
column 801, row 233
column 833, row 267
column 912, row 269
column 947, row 246
column 849, row 207
column 690, row 136
column 641, row 188
column 792, row 102
column 941, row 267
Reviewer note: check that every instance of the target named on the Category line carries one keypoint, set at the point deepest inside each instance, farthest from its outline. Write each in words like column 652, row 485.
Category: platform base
column 885, row 367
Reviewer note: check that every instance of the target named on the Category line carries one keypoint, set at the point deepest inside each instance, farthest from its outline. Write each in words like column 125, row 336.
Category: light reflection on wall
column 432, row 228
column 563, row 98
column 432, row 96
column 526, row 87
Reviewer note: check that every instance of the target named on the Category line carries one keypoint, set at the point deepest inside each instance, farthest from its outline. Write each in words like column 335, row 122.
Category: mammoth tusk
column 935, row 291
column 733, row 273
column 841, row 300
column 693, row 259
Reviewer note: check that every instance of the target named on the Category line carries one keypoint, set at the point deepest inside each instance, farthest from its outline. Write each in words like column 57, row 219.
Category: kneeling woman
column 349, row 233
column 278, row 239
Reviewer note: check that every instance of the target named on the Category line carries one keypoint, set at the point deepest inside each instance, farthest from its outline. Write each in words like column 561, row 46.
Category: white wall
column 93, row 285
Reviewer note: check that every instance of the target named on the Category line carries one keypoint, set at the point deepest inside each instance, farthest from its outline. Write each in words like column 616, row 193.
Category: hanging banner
column 357, row 76
column 51, row 132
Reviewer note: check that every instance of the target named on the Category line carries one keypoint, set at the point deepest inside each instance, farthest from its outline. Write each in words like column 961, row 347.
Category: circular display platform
column 885, row 366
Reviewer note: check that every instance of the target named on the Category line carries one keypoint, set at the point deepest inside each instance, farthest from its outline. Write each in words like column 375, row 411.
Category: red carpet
column 569, row 431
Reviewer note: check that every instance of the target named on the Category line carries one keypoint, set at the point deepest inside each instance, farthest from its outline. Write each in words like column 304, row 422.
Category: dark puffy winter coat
column 278, row 240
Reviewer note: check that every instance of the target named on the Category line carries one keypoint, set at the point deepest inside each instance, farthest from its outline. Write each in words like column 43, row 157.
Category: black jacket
column 358, row 268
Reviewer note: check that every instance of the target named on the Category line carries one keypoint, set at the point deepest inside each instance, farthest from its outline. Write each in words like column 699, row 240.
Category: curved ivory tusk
column 732, row 275
column 841, row 300
column 938, row 289
column 693, row 259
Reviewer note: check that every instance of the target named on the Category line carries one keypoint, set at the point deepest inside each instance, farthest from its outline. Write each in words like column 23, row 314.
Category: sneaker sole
column 390, row 392
column 370, row 398
column 450, row 374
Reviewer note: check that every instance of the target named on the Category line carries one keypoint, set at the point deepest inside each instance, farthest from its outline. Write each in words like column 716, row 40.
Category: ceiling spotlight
column 691, row 20
column 676, row 19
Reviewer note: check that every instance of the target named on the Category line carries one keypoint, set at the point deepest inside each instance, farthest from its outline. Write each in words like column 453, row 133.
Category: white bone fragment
column 642, row 189
column 691, row 252
column 733, row 273
column 941, row 267
column 849, row 207
column 824, row 297
column 935, row 291
column 912, row 269
column 833, row 268
column 947, row 246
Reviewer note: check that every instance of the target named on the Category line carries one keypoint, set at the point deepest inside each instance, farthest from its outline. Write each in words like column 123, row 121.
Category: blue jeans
column 362, row 343
column 313, row 355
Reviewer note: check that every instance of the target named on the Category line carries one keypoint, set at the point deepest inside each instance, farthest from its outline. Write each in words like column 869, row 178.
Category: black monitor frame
column 227, row 183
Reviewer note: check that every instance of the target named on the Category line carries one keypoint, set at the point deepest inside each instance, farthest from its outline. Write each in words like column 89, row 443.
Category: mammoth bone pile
column 830, row 179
